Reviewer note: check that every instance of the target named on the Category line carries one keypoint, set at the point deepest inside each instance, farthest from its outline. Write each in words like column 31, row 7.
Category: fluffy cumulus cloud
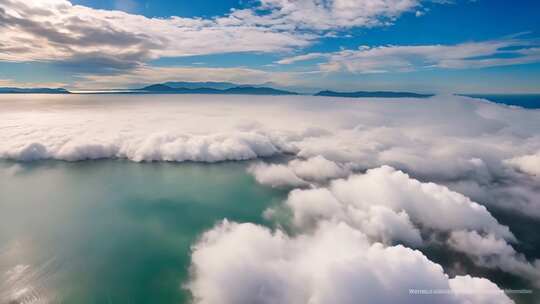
column 343, row 249
column 527, row 163
column 246, row 263
column 275, row 175
column 402, row 200
column 404, row 58
column 388, row 206
column 317, row 168
column 298, row 172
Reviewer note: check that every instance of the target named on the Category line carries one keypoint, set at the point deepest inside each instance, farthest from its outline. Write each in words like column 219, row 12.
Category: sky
column 437, row 46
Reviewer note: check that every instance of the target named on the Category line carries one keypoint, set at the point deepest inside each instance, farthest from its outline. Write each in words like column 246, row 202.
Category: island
column 13, row 90
column 238, row 90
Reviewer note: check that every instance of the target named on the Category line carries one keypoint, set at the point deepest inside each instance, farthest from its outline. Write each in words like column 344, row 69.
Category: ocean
column 528, row 101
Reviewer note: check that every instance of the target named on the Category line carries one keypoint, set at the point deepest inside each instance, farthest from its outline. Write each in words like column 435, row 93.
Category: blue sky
column 427, row 46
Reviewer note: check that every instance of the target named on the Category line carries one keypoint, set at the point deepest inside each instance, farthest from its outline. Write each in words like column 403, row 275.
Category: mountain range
column 243, row 90
column 218, row 88
column 206, row 84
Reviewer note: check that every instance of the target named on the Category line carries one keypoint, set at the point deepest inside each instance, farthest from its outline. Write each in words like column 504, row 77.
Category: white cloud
column 335, row 14
column 246, row 263
column 403, row 58
column 304, row 57
column 317, row 169
column 81, row 37
column 275, row 175
column 477, row 290
column 351, row 216
column 388, row 226
column 433, row 206
column 92, row 41
column 493, row 252
column 455, row 141
column 298, row 172
column 527, row 163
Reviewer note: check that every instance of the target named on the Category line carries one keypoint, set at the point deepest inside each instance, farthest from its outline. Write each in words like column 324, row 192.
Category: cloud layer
column 470, row 146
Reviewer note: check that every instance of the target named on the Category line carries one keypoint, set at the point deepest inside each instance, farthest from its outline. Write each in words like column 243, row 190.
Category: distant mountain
column 157, row 88
column 198, row 85
column 242, row 90
column 258, row 91
column 381, row 94
column 10, row 90
column 161, row 88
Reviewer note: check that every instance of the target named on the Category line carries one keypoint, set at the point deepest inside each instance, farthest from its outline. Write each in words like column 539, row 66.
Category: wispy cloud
column 13, row 83
column 336, row 14
column 403, row 58
column 309, row 56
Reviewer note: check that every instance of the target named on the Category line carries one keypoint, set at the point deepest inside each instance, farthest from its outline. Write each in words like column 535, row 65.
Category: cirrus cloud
column 404, row 58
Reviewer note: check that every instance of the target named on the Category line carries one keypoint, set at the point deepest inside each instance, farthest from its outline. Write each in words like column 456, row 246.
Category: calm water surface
column 113, row 231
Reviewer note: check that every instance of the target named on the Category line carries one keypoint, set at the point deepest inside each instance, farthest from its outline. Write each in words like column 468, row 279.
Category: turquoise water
column 114, row 231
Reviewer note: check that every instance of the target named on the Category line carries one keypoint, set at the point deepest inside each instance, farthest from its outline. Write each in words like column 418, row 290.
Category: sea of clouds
column 372, row 183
